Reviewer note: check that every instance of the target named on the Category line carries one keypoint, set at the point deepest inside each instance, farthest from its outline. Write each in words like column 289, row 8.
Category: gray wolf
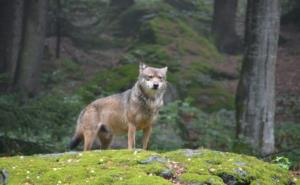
column 127, row 112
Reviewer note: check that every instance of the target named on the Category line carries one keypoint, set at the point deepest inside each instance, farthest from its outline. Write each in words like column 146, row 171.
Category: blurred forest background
column 58, row 56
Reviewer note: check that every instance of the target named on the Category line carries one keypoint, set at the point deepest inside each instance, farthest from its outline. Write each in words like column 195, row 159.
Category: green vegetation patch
column 46, row 120
column 232, row 168
column 193, row 178
column 142, row 167
column 109, row 81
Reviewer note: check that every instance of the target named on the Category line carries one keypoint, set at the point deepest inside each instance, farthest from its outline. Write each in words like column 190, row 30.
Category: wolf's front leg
column 147, row 133
column 131, row 136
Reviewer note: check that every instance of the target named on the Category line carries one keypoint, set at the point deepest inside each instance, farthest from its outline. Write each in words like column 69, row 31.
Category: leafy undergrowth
column 144, row 167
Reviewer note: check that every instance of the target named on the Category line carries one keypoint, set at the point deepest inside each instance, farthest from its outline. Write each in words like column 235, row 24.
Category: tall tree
column 255, row 95
column 31, row 53
column 223, row 26
column 22, row 28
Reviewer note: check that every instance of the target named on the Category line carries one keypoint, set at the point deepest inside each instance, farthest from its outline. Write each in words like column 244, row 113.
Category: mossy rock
column 143, row 167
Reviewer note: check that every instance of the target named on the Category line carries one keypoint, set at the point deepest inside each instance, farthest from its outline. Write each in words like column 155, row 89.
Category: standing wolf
column 132, row 110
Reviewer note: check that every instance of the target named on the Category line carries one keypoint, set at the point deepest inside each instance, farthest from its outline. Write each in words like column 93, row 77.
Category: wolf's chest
column 143, row 120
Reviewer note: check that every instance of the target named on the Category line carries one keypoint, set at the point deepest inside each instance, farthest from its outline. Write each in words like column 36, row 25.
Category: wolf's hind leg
column 105, row 136
column 90, row 127
column 89, row 137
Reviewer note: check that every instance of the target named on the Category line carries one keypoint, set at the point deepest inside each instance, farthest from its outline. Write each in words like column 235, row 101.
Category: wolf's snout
column 155, row 86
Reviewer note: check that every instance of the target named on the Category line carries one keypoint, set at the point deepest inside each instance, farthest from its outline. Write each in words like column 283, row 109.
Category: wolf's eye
column 150, row 76
column 160, row 77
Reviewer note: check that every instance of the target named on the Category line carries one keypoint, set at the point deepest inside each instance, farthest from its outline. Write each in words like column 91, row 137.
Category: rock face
column 144, row 167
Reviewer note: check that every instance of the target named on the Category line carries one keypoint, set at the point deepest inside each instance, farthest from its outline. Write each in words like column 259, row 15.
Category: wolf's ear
column 142, row 67
column 164, row 70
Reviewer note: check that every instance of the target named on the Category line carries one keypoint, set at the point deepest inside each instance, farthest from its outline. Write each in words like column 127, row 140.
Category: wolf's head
column 152, row 80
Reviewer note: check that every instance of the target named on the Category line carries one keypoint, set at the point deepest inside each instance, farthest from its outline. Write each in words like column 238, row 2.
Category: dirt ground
column 288, row 75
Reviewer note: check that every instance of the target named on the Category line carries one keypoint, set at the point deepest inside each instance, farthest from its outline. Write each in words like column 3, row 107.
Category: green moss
column 163, row 30
column 240, row 168
column 124, row 167
column 153, row 168
column 209, row 93
column 192, row 178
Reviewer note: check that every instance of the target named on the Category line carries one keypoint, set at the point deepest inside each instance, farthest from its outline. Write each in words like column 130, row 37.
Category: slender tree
column 255, row 101
column 223, row 26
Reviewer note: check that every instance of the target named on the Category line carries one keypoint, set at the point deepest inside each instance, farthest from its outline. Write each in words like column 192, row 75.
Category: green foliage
column 66, row 69
column 283, row 162
column 4, row 79
column 109, row 81
column 291, row 105
column 48, row 120
column 182, row 125
column 167, row 133
column 69, row 65
column 287, row 132
column 288, row 141
column 214, row 130
column 287, row 135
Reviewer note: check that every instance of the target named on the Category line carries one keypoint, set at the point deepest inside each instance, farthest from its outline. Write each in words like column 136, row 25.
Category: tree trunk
column 11, row 33
column 223, row 26
column 58, row 28
column 32, row 45
column 255, row 95
column 16, row 39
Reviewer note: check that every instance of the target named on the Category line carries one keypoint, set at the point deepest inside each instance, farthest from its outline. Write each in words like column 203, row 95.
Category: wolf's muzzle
column 155, row 86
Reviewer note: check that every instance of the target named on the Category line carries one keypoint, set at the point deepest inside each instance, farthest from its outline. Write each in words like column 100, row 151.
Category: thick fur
column 127, row 112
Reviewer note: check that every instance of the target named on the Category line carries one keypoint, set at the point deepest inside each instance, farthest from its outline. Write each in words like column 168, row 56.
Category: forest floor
column 288, row 77
column 288, row 73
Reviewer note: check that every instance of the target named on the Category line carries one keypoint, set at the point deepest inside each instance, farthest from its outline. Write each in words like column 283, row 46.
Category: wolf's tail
column 76, row 139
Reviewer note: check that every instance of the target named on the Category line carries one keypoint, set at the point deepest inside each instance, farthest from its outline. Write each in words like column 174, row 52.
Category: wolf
column 127, row 112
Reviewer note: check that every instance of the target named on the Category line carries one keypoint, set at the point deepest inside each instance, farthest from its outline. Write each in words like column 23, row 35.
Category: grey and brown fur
column 127, row 112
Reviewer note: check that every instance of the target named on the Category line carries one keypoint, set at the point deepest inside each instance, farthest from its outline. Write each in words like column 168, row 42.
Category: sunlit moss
column 129, row 167
column 192, row 178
